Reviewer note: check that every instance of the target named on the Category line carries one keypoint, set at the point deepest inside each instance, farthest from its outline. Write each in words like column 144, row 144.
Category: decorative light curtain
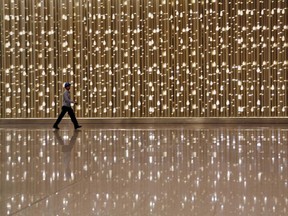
column 144, row 58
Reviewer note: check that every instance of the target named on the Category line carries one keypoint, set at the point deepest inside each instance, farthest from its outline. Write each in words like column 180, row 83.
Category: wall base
column 173, row 120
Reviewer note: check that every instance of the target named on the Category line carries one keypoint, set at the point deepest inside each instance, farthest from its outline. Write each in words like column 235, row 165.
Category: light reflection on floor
column 141, row 170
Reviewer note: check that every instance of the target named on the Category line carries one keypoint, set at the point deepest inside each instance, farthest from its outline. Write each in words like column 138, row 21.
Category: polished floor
column 136, row 169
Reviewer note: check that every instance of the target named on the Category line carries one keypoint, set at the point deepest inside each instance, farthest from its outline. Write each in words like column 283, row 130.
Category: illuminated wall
column 145, row 58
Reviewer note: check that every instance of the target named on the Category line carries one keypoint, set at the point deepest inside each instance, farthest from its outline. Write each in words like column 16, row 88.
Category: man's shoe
column 56, row 127
column 78, row 126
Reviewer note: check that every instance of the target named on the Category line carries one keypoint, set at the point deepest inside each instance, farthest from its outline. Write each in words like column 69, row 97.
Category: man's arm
column 67, row 98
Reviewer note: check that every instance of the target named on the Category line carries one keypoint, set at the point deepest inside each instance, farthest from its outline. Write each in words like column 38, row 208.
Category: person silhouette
column 66, row 107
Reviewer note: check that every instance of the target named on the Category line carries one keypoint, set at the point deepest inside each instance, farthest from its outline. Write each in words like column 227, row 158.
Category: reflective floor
column 144, row 170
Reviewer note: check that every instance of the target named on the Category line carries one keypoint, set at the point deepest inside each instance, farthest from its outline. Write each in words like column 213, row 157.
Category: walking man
column 66, row 107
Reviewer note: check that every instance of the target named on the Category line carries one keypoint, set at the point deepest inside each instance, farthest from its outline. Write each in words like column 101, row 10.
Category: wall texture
column 144, row 58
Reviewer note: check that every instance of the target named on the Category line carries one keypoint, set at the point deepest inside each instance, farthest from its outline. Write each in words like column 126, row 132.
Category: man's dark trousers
column 70, row 113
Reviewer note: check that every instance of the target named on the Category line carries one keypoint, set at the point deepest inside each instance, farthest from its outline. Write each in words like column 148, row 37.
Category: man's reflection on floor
column 66, row 152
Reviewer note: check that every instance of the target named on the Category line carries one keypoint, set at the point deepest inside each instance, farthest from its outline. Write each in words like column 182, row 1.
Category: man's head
column 67, row 85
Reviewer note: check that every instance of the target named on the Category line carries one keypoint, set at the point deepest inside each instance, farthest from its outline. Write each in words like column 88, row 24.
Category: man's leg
column 62, row 114
column 73, row 118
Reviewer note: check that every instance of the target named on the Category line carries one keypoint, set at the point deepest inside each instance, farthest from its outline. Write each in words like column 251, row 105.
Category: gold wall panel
column 144, row 58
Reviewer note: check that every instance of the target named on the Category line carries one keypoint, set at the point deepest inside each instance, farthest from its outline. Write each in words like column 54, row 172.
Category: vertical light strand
column 257, row 55
column 22, row 64
column 2, row 79
column 115, row 86
column 284, row 29
column 271, row 56
column 185, row 65
column 127, row 60
column 120, row 53
column 232, row 50
column 277, row 79
column 137, row 59
column 78, row 52
column 11, row 45
column 39, row 57
column 164, row 53
column 117, row 60
column 81, row 55
column 176, row 58
column 156, row 85
column 132, row 59
column 109, row 61
column 182, row 59
column 98, row 70
column 144, row 54
column 196, row 70
column 150, row 98
column 206, row 59
column 266, row 58
column 281, row 37
column 237, row 55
